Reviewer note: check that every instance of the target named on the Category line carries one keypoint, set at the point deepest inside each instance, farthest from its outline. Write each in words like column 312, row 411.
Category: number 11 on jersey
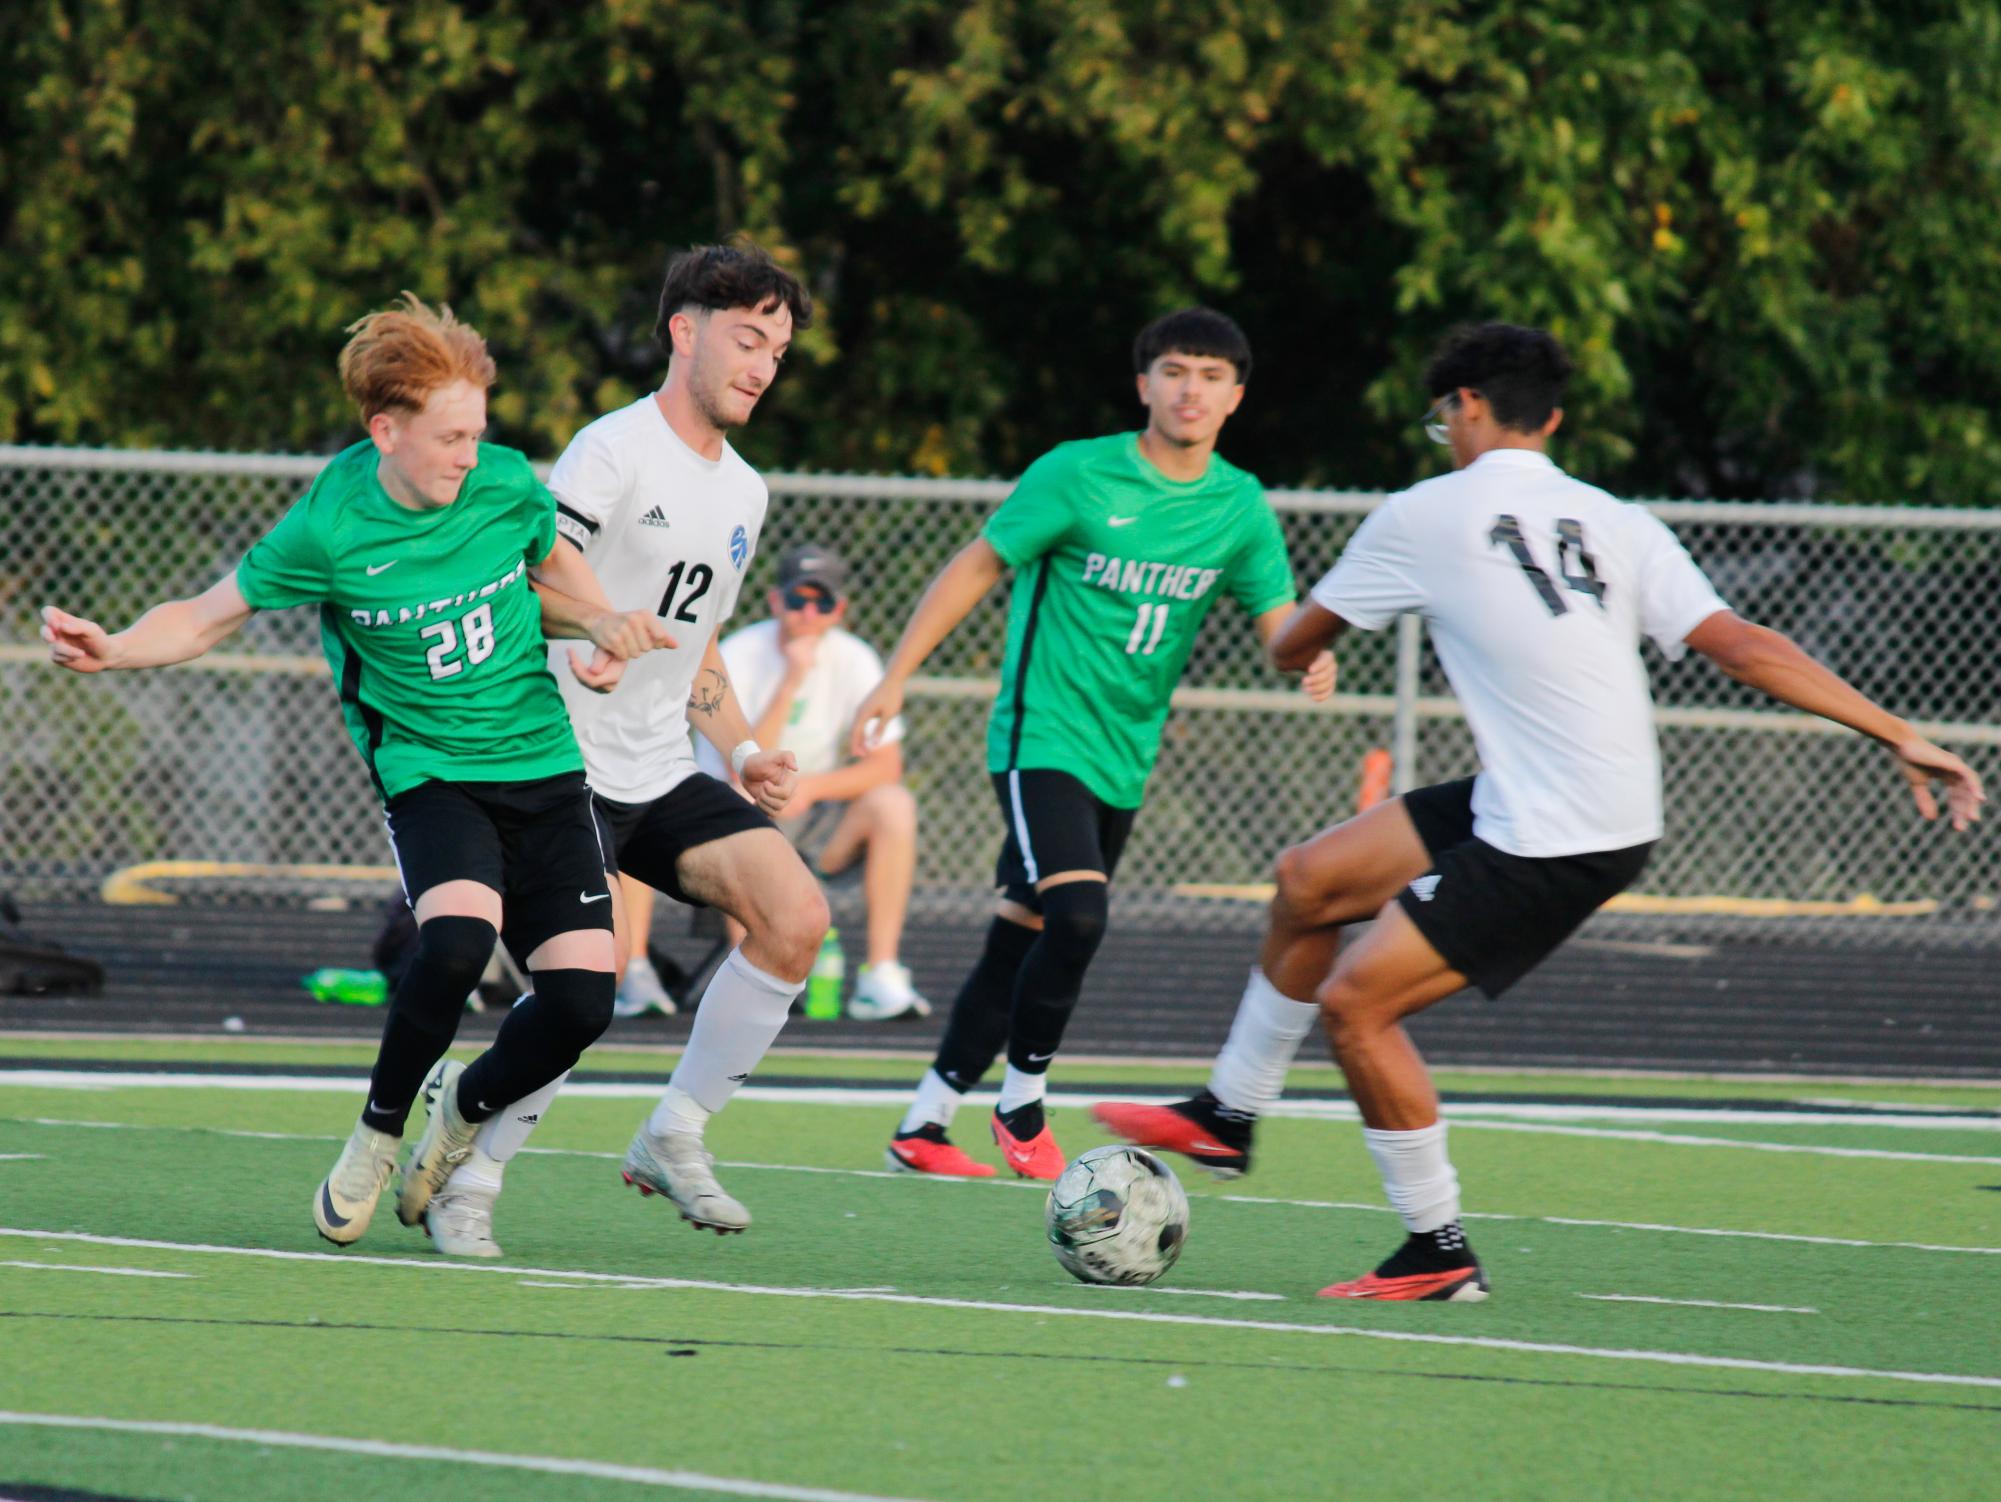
column 1147, row 629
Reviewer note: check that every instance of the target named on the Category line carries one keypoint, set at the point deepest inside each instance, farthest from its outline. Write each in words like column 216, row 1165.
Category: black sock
column 976, row 1031
column 1073, row 925
column 541, row 1037
column 1023, row 1122
column 424, row 1015
column 1436, row 1251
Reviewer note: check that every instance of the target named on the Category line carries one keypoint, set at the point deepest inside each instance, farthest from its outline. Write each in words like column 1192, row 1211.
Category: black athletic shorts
column 1495, row 916
column 647, row 840
column 1054, row 823
column 536, row 843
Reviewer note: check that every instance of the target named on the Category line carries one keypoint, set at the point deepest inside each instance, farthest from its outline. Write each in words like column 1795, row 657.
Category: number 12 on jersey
column 1147, row 630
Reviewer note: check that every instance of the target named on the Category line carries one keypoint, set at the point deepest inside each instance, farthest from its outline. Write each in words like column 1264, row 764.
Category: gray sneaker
column 446, row 1141
column 642, row 991
column 678, row 1166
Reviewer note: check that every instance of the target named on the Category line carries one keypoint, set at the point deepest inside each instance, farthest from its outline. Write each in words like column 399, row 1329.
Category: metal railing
column 1778, row 824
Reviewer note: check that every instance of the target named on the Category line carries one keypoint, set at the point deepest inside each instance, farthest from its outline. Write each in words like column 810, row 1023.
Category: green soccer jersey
column 429, row 625
column 1115, row 567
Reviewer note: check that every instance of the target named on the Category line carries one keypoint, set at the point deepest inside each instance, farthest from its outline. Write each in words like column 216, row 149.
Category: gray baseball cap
column 809, row 563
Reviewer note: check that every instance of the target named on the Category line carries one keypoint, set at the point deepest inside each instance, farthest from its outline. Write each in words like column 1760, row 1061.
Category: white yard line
column 22, row 1157
column 551, row 1465
column 1641, row 1298
column 1043, row 1311
column 78, row 1267
column 1192, row 1293
column 1678, row 1139
column 1470, row 1114
column 983, row 1185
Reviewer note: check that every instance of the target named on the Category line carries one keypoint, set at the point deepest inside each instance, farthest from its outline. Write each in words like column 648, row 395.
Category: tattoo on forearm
column 707, row 695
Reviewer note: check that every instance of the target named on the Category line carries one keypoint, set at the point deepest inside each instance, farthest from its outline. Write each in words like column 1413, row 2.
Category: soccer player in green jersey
column 418, row 545
column 1119, row 546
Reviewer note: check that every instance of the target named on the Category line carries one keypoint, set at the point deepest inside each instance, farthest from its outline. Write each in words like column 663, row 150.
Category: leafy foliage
column 1769, row 234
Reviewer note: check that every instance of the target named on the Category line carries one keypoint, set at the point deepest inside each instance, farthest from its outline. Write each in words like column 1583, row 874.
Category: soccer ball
column 1117, row 1215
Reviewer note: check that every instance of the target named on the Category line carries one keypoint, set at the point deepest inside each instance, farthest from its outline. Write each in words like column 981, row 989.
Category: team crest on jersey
column 739, row 548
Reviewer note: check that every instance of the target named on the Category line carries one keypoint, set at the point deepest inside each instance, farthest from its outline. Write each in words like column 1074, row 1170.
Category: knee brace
column 1074, row 916
column 576, row 1003
column 451, row 956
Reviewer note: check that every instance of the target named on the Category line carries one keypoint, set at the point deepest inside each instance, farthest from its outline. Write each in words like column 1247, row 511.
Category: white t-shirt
column 1536, row 588
column 668, row 531
column 823, row 710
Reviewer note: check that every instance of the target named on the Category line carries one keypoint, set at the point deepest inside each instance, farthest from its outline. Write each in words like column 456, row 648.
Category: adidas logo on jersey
column 654, row 518
column 1424, row 886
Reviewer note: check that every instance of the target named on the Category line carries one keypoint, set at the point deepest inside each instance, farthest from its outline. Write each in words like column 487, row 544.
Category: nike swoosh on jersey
column 1120, row 521
column 586, row 897
column 382, row 568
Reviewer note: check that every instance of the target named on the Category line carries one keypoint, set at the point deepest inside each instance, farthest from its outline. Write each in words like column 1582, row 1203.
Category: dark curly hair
column 729, row 276
column 1521, row 372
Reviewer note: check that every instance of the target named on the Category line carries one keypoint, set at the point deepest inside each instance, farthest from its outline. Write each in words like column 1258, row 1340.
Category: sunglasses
column 801, row 599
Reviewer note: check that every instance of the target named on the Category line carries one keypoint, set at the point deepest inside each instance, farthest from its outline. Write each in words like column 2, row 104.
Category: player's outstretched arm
column 947, row 600
column 574, row 605
column 1318, row 677
column 1773, row 663
column 768, row 777
column 174, row 632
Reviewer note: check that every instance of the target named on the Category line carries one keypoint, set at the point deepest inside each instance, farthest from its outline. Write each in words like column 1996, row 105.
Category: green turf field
column 1686, row 1304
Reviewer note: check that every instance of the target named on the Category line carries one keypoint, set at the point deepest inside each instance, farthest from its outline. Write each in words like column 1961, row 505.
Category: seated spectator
column 800, row 679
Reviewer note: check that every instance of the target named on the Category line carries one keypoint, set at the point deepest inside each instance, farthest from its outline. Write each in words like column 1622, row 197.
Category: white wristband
column 744, row 751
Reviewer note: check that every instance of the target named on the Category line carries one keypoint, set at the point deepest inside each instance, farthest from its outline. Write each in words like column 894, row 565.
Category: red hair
column 396, row 358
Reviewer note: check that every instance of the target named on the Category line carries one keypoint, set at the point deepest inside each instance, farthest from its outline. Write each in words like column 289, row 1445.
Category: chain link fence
column 231, row 778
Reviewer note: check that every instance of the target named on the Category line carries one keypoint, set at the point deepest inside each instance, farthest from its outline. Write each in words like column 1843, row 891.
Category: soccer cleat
column 1436, row 1267
column 1200, row 1128
column 1036, row 1157
column 926, row 1150
column 884, row 992
column 446, row 1141
column 678, row 1166
column 345, row 1201
column 460, row 1222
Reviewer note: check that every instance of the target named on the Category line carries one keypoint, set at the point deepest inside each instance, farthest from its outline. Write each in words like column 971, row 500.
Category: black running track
column 1156, row 990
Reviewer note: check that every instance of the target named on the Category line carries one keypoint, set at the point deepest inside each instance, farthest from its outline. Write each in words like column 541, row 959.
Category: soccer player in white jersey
column 1537, row 589
column 668, row 515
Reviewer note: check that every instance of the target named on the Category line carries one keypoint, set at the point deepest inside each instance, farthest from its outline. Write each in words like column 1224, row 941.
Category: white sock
column 935, row 1103
column 1417, row 1175
column 1019, row 1088
column 678, row 1111
column 478, row 1172
column 1249, row 1075
column 738, row 1020
column 502, row 1134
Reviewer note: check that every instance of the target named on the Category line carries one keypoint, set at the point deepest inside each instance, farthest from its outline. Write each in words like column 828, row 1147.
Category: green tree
column 1770, row 235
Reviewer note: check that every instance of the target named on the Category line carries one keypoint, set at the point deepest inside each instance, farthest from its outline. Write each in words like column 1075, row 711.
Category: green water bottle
column 823, row 986
column 354, row 988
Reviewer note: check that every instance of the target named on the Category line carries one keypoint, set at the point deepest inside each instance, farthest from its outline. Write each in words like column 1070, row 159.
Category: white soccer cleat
column 460, row 1222
column 642, row 991
column 678, row 1166
column 446, row 1141
column 345, row 1201
column 884, row 992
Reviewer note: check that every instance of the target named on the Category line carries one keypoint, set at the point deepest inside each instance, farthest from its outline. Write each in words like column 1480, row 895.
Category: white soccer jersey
column 668, row 531
column 823, row 710
column 1536, row 588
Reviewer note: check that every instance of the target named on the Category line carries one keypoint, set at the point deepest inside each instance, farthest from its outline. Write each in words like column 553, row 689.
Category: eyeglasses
column 1434, row 420
column 801, row 599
